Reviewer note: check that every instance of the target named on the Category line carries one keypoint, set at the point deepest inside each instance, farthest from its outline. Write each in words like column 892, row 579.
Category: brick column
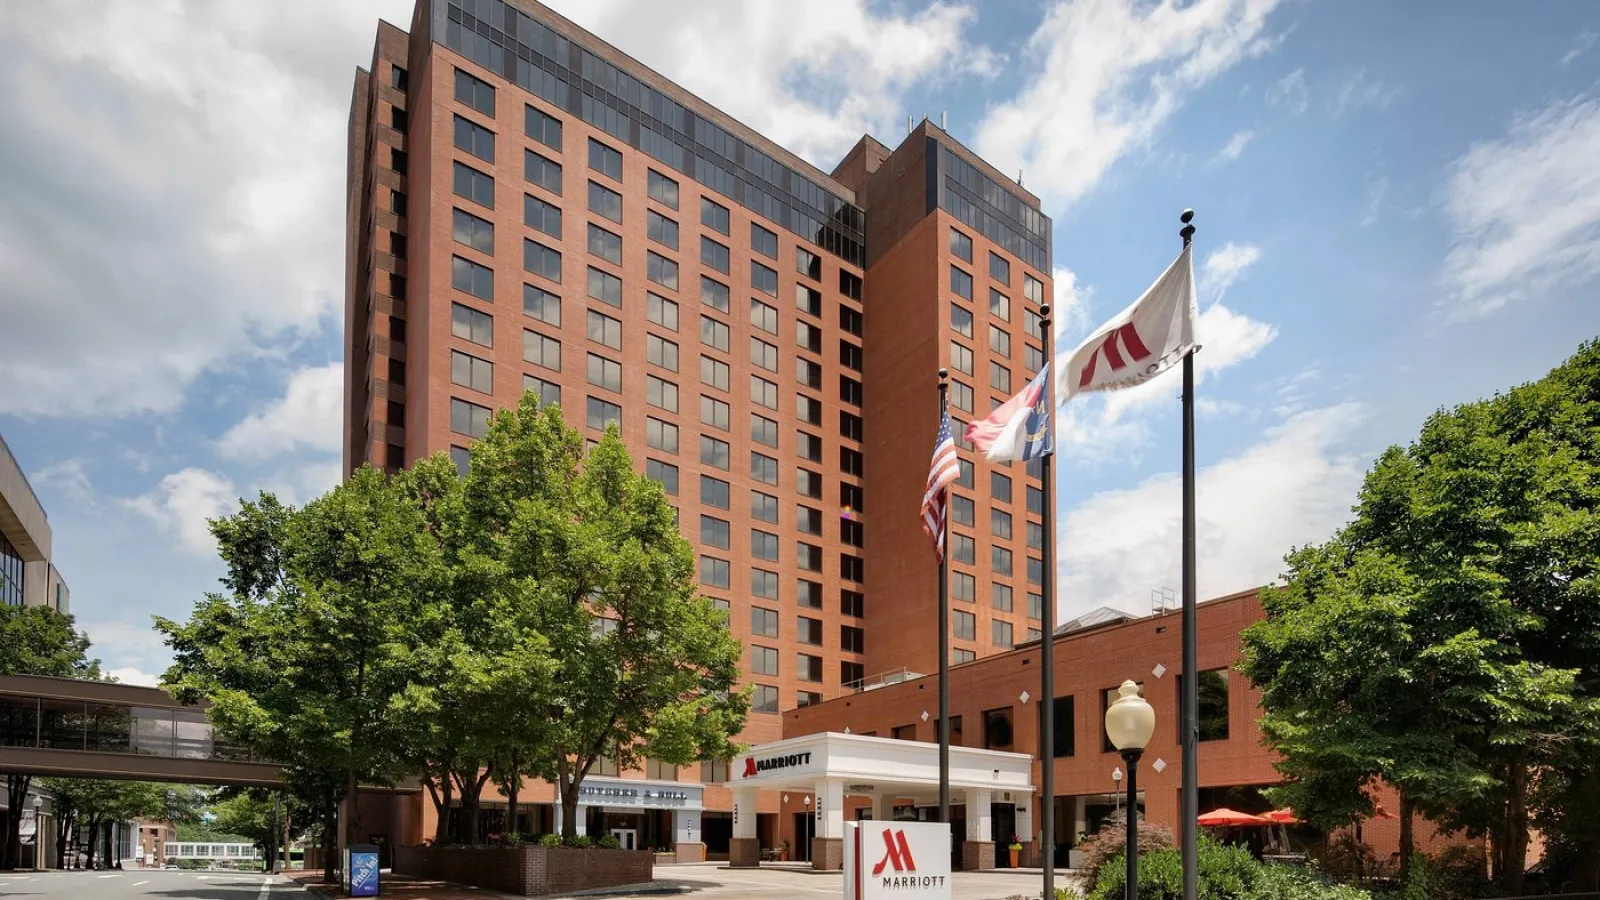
column 744, row 851
column 977, row 855
column 827, row 853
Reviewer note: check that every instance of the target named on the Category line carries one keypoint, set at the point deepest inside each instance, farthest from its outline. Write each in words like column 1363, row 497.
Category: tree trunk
column 1407, row 836
column 1586, row 873
column 569, row 812
column 63, row 829
column 330, row 834
column 94, row 838
column 1516, row 825
column 16, row 800
column 512, row 789
column 352, row 818
column 441, row 831
column 471, row 787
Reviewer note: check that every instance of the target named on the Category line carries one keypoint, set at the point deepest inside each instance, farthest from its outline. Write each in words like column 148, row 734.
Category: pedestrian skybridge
column 96, row 729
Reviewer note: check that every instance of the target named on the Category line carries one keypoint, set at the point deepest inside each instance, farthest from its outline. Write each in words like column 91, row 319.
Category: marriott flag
column 1143, row 341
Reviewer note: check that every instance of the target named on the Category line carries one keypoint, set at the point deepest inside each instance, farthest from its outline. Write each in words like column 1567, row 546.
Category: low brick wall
column 529, row 870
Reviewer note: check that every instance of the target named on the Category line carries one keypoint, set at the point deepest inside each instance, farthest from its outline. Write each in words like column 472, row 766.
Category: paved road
column 156, row 884
column 775, row 883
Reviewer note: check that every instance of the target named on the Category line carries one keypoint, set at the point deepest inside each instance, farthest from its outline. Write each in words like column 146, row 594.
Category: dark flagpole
column 1047, row 662
column 944, row 630
column 1190, row 730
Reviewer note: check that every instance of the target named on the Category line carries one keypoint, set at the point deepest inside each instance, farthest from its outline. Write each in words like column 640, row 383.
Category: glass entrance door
column 627, row 837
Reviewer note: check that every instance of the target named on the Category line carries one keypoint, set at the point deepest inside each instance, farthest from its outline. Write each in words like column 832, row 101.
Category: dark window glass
column 605, row 244
column 471, row 278
column 850, row 426
column 714, row 532
column 462, row 457
column 713, row 215
column 663, row 189
column 544, row 128
column 850, row 321
column 997, row 730
column 661, row 229
column 548, row 392
column 808, row 520
column 850, row 356
column 808, row 264
column 468, row 229
column 665, row 473
column 852, row 603
column 475, row 92
column 546, row 173
column 808, row 300
column 1213, row 695
column 605, row 202
column 809, row 631
column 851, row 674
column 713, row 293
column 600, row 414
column 713, row 254
column 849, row 390
column 763, row 279
column 468, row 323
column 763, row 241
column 397, row 78
column 474, row 185
column 469, row 419
column 474, row 139
column 850, row 461
column 541, row 260
column 850, row 285
column 605, row 160
column 808, row 557
column 960, row 283
column 713, row 492
column 960, row 245
column 808, row 594
column 715, row 572
column 1000, row 487
column 1062, row 723
column 661, row 270
column 662, row 311
column 763, row 507
column 541, row 216
column 852, row 568
column 999, row 268
column 469, row 372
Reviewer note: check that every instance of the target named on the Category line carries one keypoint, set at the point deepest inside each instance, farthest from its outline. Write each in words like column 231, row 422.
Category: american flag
column 944, row 471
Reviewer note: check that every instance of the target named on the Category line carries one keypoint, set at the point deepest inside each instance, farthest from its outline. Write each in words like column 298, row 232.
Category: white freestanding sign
column 896, row 859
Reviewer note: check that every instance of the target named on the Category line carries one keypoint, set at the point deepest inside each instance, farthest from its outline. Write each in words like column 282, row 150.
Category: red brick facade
column 528, row 870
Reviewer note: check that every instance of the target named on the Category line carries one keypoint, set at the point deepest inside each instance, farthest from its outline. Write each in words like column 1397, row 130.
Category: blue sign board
column 363, row 871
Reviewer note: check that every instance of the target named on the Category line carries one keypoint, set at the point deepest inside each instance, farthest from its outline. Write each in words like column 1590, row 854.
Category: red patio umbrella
column 1281, row 816
column 1224, row 816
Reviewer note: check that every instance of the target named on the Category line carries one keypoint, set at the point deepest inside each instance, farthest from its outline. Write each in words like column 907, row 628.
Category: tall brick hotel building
column 531, row 209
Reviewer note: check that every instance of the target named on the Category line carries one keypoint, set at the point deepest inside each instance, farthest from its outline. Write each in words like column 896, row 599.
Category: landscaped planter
column 530, row 870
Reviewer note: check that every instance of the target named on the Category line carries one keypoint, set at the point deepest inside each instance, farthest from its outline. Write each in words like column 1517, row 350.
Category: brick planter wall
column 528, row 870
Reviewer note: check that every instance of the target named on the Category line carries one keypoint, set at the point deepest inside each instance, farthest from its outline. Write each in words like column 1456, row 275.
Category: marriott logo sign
column 753, row 766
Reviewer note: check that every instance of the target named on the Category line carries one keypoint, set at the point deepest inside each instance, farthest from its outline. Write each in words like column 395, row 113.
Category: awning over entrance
column 833, row 766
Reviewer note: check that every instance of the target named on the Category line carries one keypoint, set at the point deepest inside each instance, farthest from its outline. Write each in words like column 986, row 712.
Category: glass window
column 961, row 510
column 763, row 392
column 661, row 435
column 605, row 287
column 475, row 92
column 809, row 446
column 850, row 461
column 471, row 372
column 714, row 532
column 808, row 264
column 1036, row 501
column 808, row 300
column 763, row 355
column 471, row 278
column 808, row 594
column 999, row 377
column 541, row 260
column 810, row 667
column 605, row 330
column 548, row 392
column 468, row 323
column 850, row 426
column 764, row 279
column 713, row 293
column 763, row 660
column 808, row 484
column 763, row 316
column 714, row 373
column 999, row 305
column 852, row 639
column 713, row 492
column 963, row 549
column 763, row 507
column 713, row 452
column 763, row 468
column 961, row 320
column 764, row 545
column 1000, row 341
column 661, row 270
column 461, row 456
column 661, row 229
column 964, row 624
column 763, row 430
column 474, row 138
column 538, row 303
column 605, row 160
column 1000, row 523
column 664, row 473
column 851, row 674
column 808, row 373
column 713, row 215
column 545, row 173
column 997, row 729
column 603, row 201
column 544, row 128
column 606, row 245
column 999, row 268
column 661, row 352
column 663, row 189
column 1032, row 358
column 850, row 285
column 961, row 396
column 601, row 414
column 808, row 557
column 807, row 698
column 714, row 572
column 958, row 656
column 963, row 587
column 1000, row 634
column 469, row 419
column 960, row 358
column 850, row 321
column 662, row 311
column 1000, row 560
column 660, row 393
column 1032, row 289
column 763, row 241
column 476, row 233
column 808, row 520
column 541, row 350
column 764, row 584
column 763, row 622
column 713, row 255
column 764, row 699
column 1213, row 695
column 960, row 283
column 605, row 373
column 714, row 412
column 1000, row 596
column 960, row 245
column 1000, row 487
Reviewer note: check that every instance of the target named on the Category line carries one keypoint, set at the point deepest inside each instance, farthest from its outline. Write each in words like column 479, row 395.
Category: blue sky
column 1398, row 210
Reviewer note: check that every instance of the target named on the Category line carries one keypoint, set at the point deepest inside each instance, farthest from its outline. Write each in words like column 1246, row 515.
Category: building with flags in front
column 530, row 209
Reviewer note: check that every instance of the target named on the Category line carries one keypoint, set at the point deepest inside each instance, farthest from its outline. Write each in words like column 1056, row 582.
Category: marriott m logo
column 896, row 853
column 1128, row 337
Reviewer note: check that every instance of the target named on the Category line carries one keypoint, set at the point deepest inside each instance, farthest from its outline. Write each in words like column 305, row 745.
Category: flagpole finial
column 944, row 379
column 1187, row 231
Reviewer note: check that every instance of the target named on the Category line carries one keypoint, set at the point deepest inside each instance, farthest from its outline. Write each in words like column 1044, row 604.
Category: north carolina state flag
column 1143, row 341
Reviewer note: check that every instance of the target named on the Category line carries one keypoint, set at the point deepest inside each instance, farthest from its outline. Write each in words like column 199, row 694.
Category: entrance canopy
column 878, row 766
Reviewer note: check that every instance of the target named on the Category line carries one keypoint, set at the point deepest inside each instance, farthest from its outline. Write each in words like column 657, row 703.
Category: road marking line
column 137, row 883
column 106, row 876
column 266, row 888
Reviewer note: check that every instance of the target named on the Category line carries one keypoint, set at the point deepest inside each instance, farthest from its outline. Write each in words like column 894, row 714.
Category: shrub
column 1226, row 873
column 1108, row 842
column 581, row 841
column 549, row 840
column 1276, row 882
column 608, row 842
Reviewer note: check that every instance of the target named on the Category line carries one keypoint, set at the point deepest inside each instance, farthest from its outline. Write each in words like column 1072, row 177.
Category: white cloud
column 1070, row 306
column 812, row 77
column 309, row 415
column 130, row 675
column 305, row 481
column 1581, row 45
column 1376, row 191
column 156, row 226
column 1357, row 91
column 127, row 646
column 69, row 476
column 1236, row 144
column 182, row 503
column 1525, row 209
column 1224, row 266
column 1290, row 92
column 1294, row 486
column 1109, row 73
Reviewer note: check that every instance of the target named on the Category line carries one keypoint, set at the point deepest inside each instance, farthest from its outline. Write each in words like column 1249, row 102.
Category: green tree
column 642, row 665
column 36, row 640
column 93, row 805
column 1446, row 639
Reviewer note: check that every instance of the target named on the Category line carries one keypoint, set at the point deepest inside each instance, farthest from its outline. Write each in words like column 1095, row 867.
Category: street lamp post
column 1129, row 723
column 38, row 832
column 1116, row 789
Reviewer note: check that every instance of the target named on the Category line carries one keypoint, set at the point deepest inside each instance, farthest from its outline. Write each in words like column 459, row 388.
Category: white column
column 978, row 827
column 686, row 826
column 829, row 800
column 1025, row 804
column 883, row 808
column 744, row 813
